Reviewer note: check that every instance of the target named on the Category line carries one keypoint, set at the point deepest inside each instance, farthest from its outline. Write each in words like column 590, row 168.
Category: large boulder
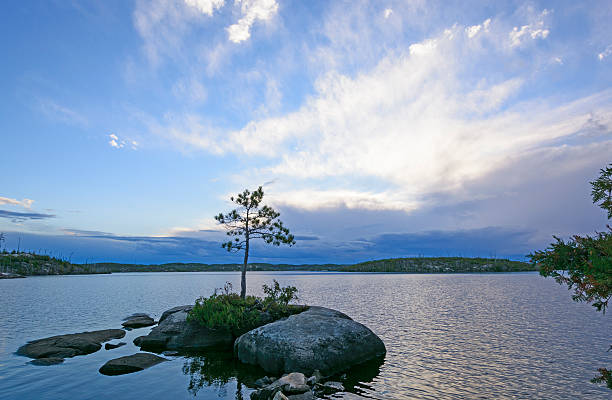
column 318, row 338
column 128, row 364
column 174, row 332
column 74, row 344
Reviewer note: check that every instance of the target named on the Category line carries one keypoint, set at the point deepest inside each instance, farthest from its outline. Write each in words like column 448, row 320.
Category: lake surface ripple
column 460, row 336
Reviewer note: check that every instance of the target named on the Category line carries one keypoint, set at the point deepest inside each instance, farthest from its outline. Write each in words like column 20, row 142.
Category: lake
column 455, row 336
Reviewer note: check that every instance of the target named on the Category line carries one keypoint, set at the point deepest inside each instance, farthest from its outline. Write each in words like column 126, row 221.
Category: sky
column 377, row 129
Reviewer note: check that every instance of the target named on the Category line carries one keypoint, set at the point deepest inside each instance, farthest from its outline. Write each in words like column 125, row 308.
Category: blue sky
column 378, row 129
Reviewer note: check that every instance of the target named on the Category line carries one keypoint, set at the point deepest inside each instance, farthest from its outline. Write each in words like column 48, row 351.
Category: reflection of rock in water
column 357, row 379
column 217, row 369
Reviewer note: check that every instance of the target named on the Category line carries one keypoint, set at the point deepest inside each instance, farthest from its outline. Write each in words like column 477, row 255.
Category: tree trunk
column 244, row 269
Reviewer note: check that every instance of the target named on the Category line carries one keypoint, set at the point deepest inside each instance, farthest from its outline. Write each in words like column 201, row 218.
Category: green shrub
column 228, row 311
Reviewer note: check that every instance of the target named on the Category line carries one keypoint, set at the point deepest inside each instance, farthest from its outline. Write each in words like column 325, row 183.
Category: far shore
column 27, row 264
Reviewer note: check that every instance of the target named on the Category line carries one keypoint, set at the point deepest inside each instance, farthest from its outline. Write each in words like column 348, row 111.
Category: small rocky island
column 299, row 347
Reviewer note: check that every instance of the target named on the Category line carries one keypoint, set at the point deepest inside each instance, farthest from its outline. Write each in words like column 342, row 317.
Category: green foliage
column 605, row 376
column 278, row 294
column 36, row 264
column 602, row 190
column 439, row 265
column 250, row 221
column 584, row 263
column 229, row 311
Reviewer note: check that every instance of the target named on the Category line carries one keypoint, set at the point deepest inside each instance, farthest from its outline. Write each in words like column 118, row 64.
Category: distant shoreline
column 28, row 264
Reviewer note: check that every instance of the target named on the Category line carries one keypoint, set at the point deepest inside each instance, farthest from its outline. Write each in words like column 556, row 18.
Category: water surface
column 456, row 336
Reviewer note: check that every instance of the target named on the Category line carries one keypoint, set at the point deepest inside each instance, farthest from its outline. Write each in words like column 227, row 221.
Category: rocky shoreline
column 10, row 275
column 303, row 350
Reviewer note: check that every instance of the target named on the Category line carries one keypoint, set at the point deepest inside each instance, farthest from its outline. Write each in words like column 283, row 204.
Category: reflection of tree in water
column 216, row 370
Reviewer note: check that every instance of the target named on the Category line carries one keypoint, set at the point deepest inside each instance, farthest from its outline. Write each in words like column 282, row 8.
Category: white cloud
column 535, row 30
column 312, row 199
column 115, row 142
column 25, row 203
column 190, row 89
column 206, row 6
column 475, row 29
column 387, row 13
column 416, row 124
column 605, row 53
column 252, row 10
column 61, row 113
column 118, row 143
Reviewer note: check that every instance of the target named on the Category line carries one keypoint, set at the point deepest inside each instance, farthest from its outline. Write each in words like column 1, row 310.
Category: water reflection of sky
column 447, row 336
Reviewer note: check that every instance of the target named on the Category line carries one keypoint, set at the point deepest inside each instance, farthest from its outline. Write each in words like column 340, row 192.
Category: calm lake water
column 461, row 336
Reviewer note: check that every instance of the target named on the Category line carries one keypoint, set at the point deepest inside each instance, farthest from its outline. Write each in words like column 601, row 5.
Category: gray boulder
column 138, row 321
column 74, row 344
column 128, row 364
column 136, row 315
column 318, row 338
column 174, row 332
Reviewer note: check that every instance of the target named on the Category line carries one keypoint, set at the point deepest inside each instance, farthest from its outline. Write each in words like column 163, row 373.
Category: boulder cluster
column 303, row 349
column 294, row 386
column 53, row 350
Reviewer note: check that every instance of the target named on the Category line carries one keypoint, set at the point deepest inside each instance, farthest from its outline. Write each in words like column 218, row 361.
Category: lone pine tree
column 251, row 220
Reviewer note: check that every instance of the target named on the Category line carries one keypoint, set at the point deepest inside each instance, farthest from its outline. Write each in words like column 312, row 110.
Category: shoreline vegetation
column 30, row 264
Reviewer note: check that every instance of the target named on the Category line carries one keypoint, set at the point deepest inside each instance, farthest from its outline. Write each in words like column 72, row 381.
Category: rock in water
column 318, row 338
column 309, row 395
column 136, row 315
column 10, row 275
column 174, row 332
column 280, row 396
column 74, row 344
column 128, row 364
column 138, row 321
column 293, row 383
column 47, row 361
column 331, row 387
column 110, row 346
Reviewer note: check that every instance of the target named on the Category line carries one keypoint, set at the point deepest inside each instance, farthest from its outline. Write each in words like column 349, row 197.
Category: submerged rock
column 309, row 395
column 74, row 344
column 47, row 361
column 331, row 387
column 174, row 332
column 262, row 382
column 315, row 378
column 110, row 346
column 280, row 396
column 318, row 338
column 128, row 364
column 138, row 321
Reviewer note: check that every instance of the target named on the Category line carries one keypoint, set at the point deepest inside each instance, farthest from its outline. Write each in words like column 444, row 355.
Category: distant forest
column 34, row 264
